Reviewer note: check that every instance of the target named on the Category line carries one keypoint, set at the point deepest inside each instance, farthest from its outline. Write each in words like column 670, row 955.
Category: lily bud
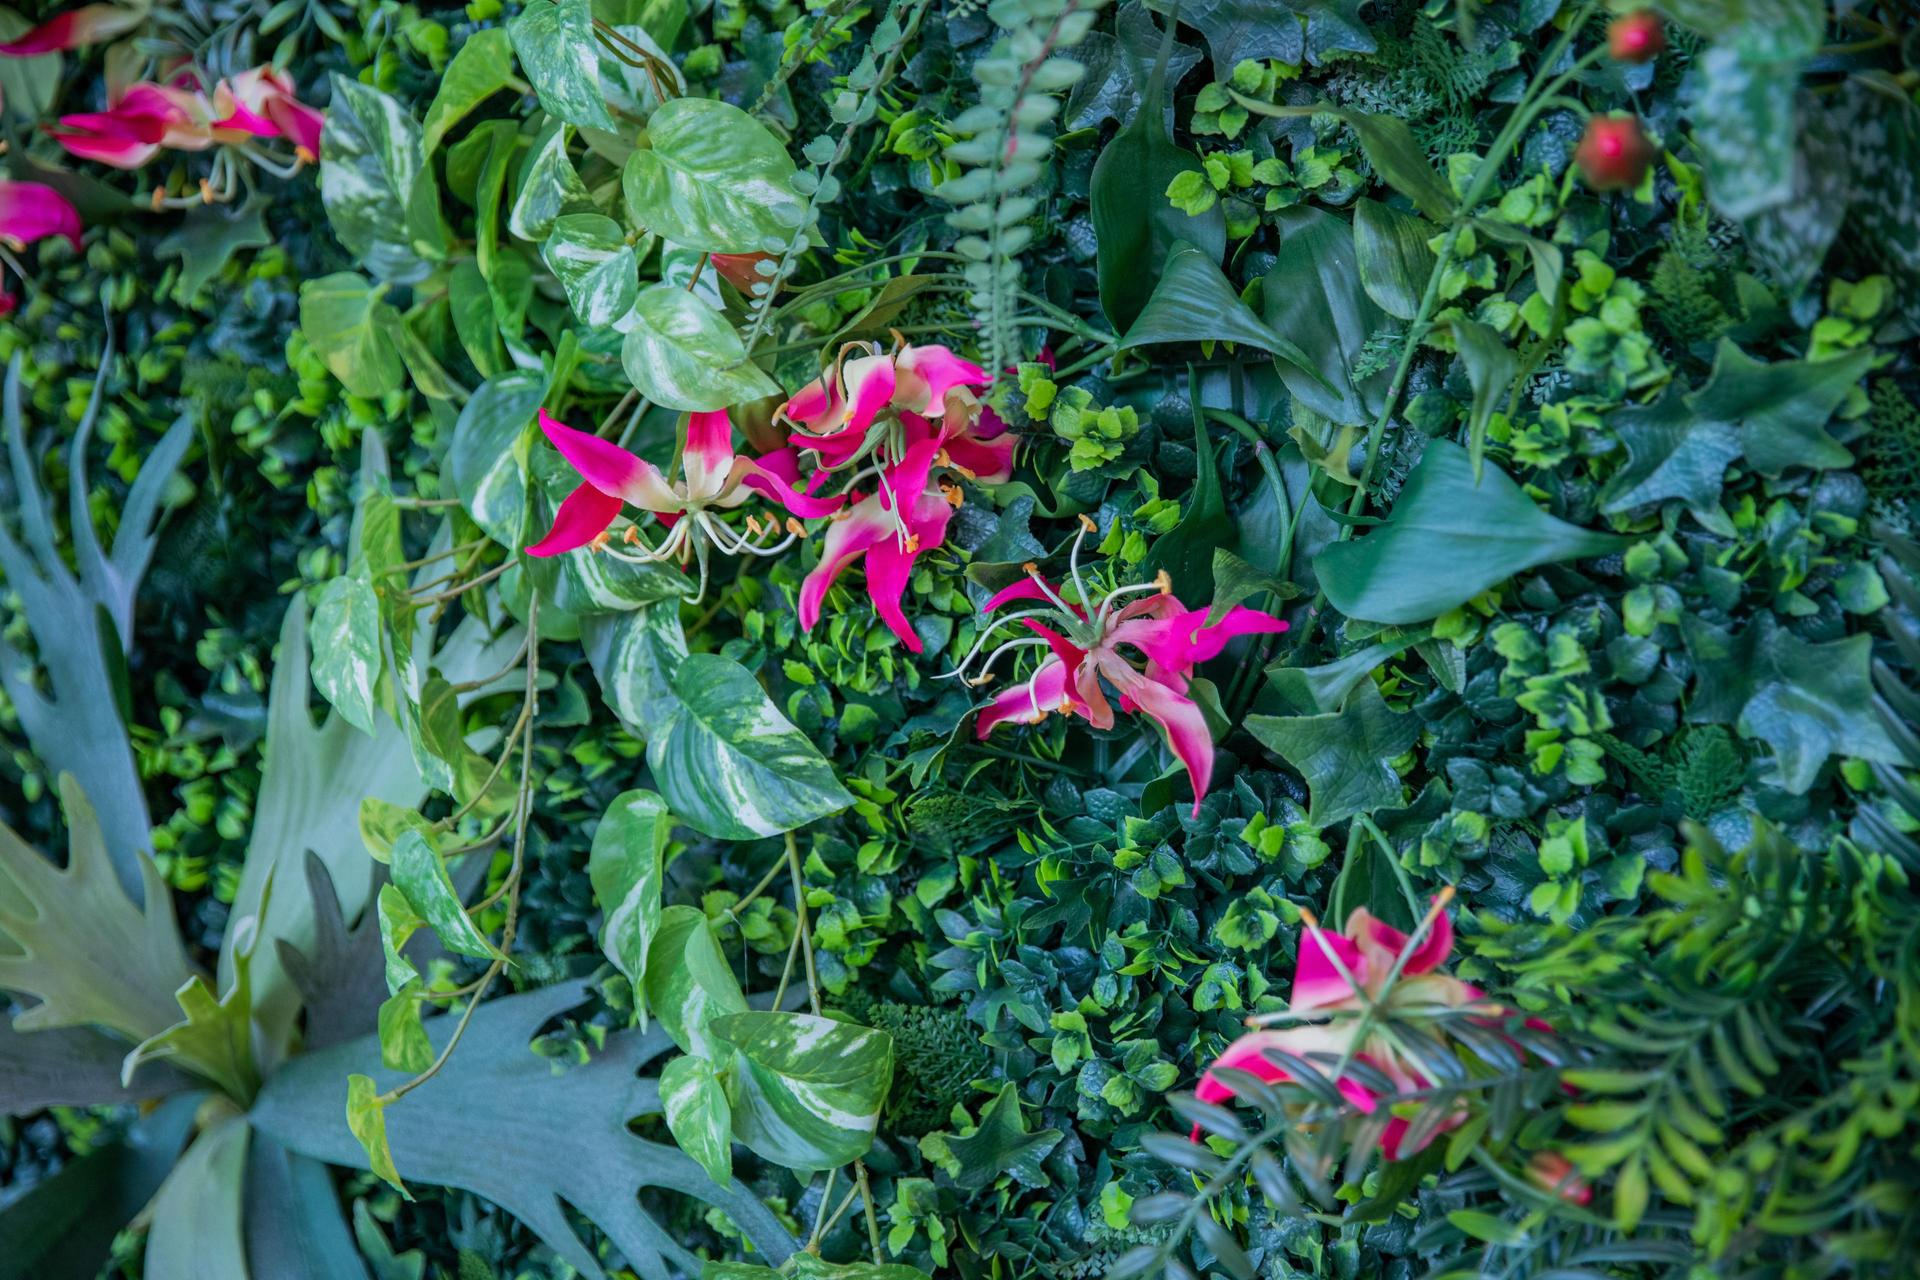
column 1552, row 1172
column 1614, row 153
column 1636, row 37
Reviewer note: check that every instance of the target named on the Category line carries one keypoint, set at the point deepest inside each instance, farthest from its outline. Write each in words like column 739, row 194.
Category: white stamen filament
column 980, row 641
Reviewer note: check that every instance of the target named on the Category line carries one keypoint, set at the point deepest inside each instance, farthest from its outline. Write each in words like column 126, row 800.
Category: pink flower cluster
column 31, row 211
column 145, row 118
column 890, row 435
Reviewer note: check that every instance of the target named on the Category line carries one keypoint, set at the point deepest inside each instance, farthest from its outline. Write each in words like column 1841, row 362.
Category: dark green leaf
column 1780, row 410
column 1312, row 294
column 1343, row 756
column 1193, row 302
column 1392, row 257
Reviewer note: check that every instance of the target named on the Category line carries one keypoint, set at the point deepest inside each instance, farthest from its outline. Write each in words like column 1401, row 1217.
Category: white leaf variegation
column 730, row 764
column 698, row 1114
column 806, row 1091
column 625, row 867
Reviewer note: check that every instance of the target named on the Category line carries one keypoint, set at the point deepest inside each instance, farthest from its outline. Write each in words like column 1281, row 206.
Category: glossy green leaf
column 487, row 457
column 1312, row 295
column 556, row 45
column 345, row 635
column 634, row 655
column 1135, row 226
column 422, row 877
column 695, row 1104
column 1671, row 453
column 590, row 256
column 1447, row 540
column 549, row 187
column 482, row 67
column 1392, row 257
column 806, row 1091
column 1289, row 31
column 1491, row 368
column 625, row 867
column 683, row 355
column 1194, row 302
column 470, row 305
column 999, row 1144
column 1188, row 550
column 688, row 981
column 370, row 159
column 398, row 923
column 711, row 178
column 1344, row 755
column 367, row 1119
column 730, row 764
column 403, row 1040
column 352, row 329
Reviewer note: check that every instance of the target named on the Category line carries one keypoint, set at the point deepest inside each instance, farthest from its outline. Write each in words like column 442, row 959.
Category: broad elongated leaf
column 346, row 643
column 72, row 1067
column 1392, row 257
column 77, row 945
column 498, row 1122
column 1312, row 295
column 422, row 879
column 292, row 1218
column 354, row 331
column 1292, row 31
column 1135, row 226
column 370, row 159
column 590, row 257
column 487, row 458
column 196, row 1216
column 1194, row 302
column 482, row 67
column 711, row 178
column 806, row 1091
column 549, row 187
column 625, row 867
column 688, row 982
column 698, row 1114
column 1491, row 367
column 681, row 354
column 730, row 764
column 1448, row 539
column 554, row 39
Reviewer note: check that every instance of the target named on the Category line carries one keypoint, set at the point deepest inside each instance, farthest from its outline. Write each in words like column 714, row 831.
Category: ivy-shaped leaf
column 1343, row 756
column 999, row 1144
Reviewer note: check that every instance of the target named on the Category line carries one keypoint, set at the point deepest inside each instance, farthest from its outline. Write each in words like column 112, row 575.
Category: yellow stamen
column 159, row 199
column 1086, row 522
column 1163, row 583
column 754, row 526
column 984, row 678
column 206, row 191
column 303, row 156
column 1031, row 569
column 632, row 535
column 913, row 544
column 600, row 541
column 797, row 529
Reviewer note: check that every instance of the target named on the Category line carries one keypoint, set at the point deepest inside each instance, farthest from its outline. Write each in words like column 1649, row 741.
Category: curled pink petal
column 582, row 517
column 924, row 375
column 88, row 24
column 1317, row 981
column 1027, row 588
column 31, row 211
column 870, row 384
column 890, row 563
column 1186, row 729
column 1027, row 702
column 988, row 461
column 611, row 469
column 1430, row 954
column 298, row 123
column 847, row 539
column 709, row 455
column 816, row 407
column 776, row 475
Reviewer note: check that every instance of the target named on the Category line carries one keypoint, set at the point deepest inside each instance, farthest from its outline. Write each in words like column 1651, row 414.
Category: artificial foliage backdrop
column 1033, row 639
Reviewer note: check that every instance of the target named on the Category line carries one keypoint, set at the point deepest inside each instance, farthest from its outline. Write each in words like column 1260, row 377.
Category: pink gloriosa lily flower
column 89, row 24
column 147, row 117
column 1088, row 646
column 1337, row 977
column 907, row 423
column 31, row 211
column 716, row 479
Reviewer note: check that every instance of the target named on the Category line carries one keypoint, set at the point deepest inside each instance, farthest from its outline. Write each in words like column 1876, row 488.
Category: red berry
column 1614, row 154
column 1636, row 37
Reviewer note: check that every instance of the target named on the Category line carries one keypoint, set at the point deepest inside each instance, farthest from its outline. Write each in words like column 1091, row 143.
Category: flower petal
column 1027, row 702
column 869, row 381
column 777, row 476
column 890, row 564
column 611, row 469
column 1026, row 588
column 988, row 461
column 1186, row 729
column 584, row 516
column 847, row 539
column 88, row 24
column 709, row 454
column 1317, row 981
column 1430, row 954
column 924, row 375
column 816, row 407
column 298, row 123
column 31, row 211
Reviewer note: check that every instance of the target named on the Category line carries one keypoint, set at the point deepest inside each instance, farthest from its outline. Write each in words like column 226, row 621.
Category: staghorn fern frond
column 1006, row 141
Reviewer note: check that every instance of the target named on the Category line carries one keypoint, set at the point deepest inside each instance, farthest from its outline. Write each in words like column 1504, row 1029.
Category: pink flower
column 715, row 480
column 260, row 103
column 30, row 211
column 1331, row 975
column 88, row 24
column 835, row 412
column 900, row 420
column 1552, row 1172
column 1144, row 651
column 132, row 131
column 179, row 116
